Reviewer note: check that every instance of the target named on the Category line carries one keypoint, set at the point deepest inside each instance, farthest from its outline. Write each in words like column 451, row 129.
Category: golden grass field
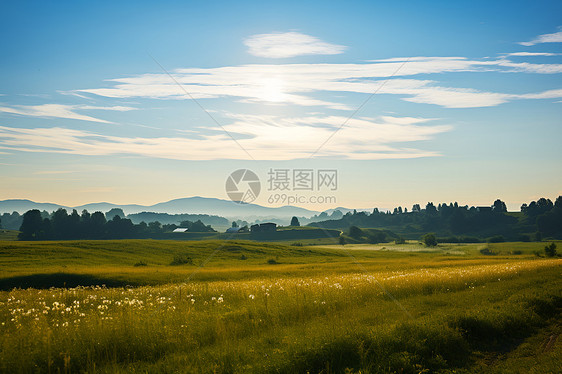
column 240, row 307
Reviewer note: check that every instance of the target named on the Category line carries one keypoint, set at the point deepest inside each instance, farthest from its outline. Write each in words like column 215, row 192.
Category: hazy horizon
column 513, row 208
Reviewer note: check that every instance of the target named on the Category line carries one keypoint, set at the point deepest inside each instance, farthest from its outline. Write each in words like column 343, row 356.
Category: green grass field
column 243, row 306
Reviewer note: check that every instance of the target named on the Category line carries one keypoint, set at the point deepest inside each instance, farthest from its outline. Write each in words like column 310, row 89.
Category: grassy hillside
column 149, row 262
column 284, row 309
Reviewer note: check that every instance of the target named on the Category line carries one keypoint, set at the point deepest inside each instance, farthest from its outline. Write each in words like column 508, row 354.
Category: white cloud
column 530, row 68
column 550, row 94
column 116, row 108
column 530, row 54
column 453, row 97
column 289, row 44
column 545, row 38
column 59, row 111
column 264, row 137
column 296, row 83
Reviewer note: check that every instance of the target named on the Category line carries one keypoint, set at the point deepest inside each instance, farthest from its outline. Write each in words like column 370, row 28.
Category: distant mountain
column 226, row 208
column 22, row 206
column 188, row 205
column 346, row 210
column 105, row 207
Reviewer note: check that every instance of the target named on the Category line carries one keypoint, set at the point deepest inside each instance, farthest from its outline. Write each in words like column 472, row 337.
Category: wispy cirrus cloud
column 299, row 84
column 530, row 54
column 49, row 172
column 545, row 38
column 289, row 44
column 60, row 111
column 266, row 137
column 527, row 67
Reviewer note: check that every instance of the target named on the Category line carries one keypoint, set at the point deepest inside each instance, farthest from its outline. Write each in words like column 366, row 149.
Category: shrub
column 550, row 250
column 429, row 240
column 400, row 240
column 181, row 260
column 297, row 244
column 486, row 251
column 272, row 261
column 140, row 263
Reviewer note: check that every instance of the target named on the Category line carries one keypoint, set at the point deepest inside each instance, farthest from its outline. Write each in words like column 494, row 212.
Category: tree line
column 538, row 219
column 63, row 226
column 535, row 221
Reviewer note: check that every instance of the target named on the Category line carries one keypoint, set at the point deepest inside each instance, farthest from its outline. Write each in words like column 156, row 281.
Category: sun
column 272, row 90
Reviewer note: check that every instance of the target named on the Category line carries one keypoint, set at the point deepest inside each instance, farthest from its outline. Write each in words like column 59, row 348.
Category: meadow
column 153, row 306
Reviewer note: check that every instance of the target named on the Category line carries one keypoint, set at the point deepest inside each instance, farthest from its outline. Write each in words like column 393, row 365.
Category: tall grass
column 288, row 324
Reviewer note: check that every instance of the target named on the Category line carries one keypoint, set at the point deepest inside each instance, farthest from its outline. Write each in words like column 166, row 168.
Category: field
column 241, row 306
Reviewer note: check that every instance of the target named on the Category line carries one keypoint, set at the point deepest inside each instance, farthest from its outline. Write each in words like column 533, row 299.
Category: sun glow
column 272, row 90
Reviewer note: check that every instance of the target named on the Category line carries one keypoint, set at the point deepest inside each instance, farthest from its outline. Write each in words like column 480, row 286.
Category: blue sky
column 468, row 103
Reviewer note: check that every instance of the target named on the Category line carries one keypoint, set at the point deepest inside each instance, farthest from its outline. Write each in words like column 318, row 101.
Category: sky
column 406, row 102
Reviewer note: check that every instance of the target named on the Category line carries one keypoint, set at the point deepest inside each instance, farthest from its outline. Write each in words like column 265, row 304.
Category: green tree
column 429, row 240
column 458, row 221
column 59, row 221
column 74, row 225
column 499, row 206
column 234, row 224
column 295, row 221
column 430, row 208
column 31, row 225
column 155, row 227
column 114, row 212
column 97, row 225
column 197, row 226
column 119, row 228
